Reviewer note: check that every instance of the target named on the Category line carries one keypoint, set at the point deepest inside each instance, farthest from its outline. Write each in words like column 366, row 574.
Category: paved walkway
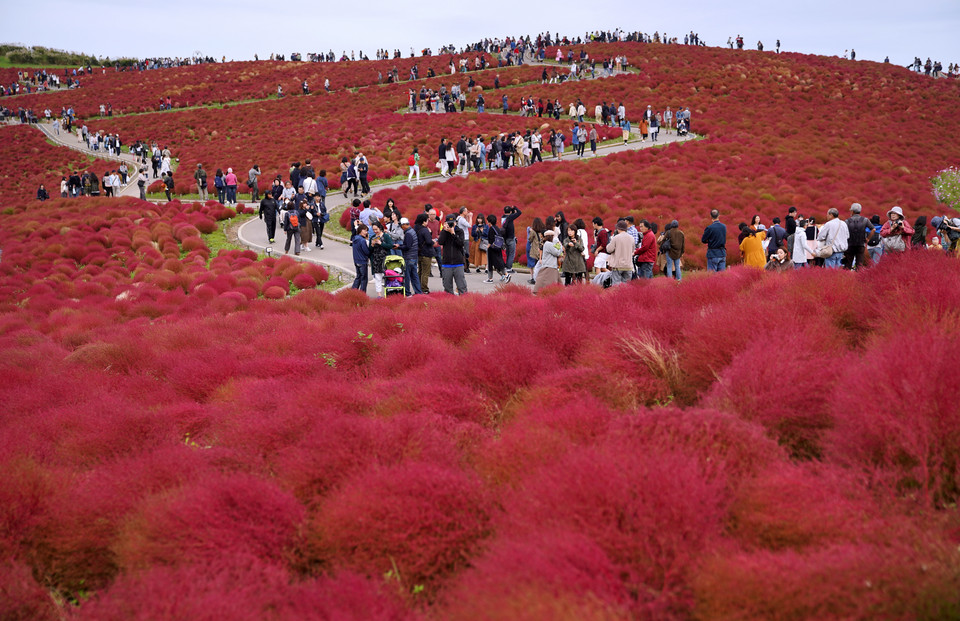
column 337, row 253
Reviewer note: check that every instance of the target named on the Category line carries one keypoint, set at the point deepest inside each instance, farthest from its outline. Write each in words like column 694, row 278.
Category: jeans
column 411, row 277
column 511, row 252
column 479, row 109
column 875, row 252
column 673, row 266
column 645, row 270
column 232, row 194
column 451, row 274
column 360, row 282
column 716, row 263
column 833, row 261
column 221, row 195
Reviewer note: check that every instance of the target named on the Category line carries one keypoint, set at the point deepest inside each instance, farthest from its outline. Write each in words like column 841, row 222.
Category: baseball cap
column 404, row 221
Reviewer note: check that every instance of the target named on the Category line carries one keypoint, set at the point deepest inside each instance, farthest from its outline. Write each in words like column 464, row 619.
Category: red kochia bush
column 21, row 598
column 420, row 520
column 897, row 413
column 618, row 495
column 914, row 579
column 551, row 575
column 217, row 515
column 242, row 588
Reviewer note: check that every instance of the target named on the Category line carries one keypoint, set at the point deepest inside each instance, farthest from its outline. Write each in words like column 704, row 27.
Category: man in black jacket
column 509, row 234
column 424, row 250
column 410, row 248
column 462, row 155
column 451, row 256
column 268, row 213
column 858, row 227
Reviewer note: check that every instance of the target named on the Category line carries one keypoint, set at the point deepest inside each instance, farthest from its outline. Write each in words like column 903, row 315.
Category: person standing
column 409, row 249
column 620, row 251
column 253, row 179
column 268, row 213
column 425, row 251
column 549, row 272
column 715, row 237
column 200, row 176
column 510, row 214
column 673, row 247
column 452, row 256
column 230, row 185
column 834, row 234
column 363, row 169
column 593, row 140
column 574, row 264
column 361, row 257
column 859, row 229
column 896, row 232
column 646, row 251
column 464, row 226
column 381, row 243
column 751, row 248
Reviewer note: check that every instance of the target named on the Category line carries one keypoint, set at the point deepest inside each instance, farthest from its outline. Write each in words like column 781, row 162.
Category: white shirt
column 835, row 233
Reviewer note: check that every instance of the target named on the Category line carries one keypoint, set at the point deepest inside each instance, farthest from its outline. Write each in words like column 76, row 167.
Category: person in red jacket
column 646, row 254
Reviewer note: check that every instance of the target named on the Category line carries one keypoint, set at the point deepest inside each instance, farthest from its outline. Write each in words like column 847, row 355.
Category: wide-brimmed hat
column 897, row 211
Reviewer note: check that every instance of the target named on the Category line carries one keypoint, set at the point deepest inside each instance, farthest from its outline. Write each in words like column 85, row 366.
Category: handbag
column 498, row 242
column 894, row 243
column 823, row 252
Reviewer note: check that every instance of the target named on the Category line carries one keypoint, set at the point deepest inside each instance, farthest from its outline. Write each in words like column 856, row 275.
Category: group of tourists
column 800, row 242
column 111, row 183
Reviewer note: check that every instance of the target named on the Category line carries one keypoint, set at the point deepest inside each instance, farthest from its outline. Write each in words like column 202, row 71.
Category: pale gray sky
column 240, row 28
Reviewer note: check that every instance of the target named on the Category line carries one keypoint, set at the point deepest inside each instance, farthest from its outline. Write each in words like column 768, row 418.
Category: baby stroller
column 393, row 275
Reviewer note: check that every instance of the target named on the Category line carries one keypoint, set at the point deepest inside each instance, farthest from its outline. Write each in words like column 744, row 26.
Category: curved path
column 336, row 253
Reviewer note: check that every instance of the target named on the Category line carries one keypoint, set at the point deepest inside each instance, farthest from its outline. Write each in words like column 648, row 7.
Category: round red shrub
column 421, row 520
column 216, row 515
column 274, row 293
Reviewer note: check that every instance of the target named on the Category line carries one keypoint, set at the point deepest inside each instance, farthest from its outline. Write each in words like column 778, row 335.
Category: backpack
column 411, row 161
column 218, row 182
column 293, row 221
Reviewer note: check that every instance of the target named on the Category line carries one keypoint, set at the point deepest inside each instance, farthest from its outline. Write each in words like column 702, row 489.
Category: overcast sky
column 241, row 28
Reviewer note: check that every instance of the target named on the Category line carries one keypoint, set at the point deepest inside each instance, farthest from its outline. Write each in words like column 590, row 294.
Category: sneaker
column 306, row 248
column 479, row 270
column 531, row 282
column 489, row 280
column 271, row 240
column 507, row 277
column 509, row 271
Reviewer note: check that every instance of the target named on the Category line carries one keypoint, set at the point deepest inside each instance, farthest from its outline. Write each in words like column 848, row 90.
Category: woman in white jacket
column 549, row 270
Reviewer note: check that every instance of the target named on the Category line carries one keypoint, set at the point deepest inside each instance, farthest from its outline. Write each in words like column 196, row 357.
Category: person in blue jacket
column 361, row 257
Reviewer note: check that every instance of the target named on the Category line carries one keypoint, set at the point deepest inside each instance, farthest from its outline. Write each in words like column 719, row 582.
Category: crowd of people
column 559, row 251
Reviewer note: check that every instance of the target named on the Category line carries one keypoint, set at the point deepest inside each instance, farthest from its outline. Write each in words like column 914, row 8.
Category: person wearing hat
column 896, row 232
column 200, row 176
column 860, row 230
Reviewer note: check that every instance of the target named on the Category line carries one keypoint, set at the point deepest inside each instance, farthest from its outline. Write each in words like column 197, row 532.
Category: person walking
column 167, row 185
column 291, row 226
column 361, row 257
column 495, row 249
column 268, row 213
column 510, row 214
column 414, row 163
column 715, row 238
